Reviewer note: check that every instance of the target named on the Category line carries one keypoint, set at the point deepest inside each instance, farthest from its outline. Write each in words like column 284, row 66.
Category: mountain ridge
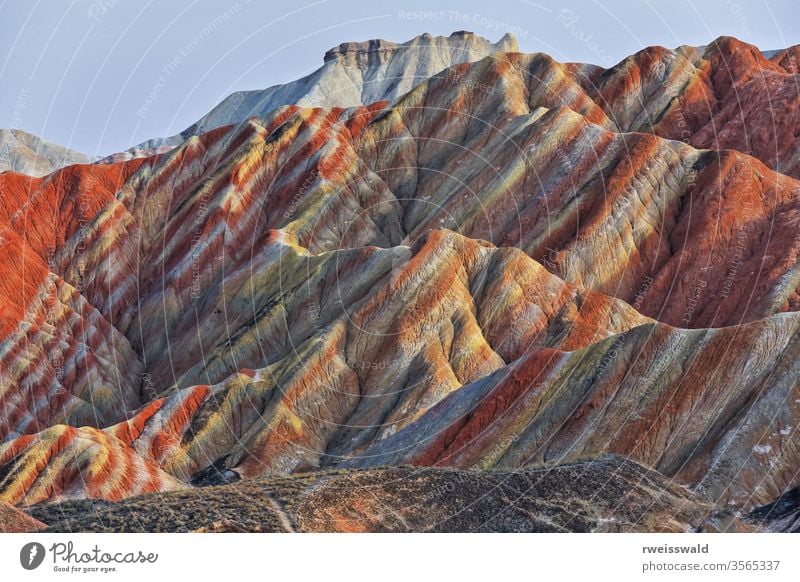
column 28, row 154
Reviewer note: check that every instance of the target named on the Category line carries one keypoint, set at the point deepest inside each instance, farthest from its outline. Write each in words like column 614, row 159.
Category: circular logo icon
column 31, row 555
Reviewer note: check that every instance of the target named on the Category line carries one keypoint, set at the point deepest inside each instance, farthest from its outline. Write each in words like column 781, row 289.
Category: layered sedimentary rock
column 62, row 359
column 63, row 462
column 726, row 95
column 28, row 154
column 355, row 360
column 715, row 409
column 505, row 266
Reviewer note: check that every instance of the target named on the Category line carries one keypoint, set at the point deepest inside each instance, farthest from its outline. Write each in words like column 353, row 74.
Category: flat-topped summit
column 355, row 50
column 376, row 51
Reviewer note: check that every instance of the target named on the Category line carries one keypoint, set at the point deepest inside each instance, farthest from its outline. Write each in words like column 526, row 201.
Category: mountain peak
column 378, row 51
column 357, row 73
column 26, row 153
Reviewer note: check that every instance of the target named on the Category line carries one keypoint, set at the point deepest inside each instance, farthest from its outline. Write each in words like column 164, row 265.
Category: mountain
column 352, row 74
column 513, row 265
column 359, row 73
column 729, row 96
column 441, row 350
column 724, row 411
column 27, row 154
column 726, row 95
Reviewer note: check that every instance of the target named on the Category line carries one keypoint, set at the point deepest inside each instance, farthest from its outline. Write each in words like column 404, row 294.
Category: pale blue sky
column 79, row 72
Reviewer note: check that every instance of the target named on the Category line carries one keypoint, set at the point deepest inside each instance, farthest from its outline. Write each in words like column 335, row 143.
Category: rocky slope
column 605, row 495
column 27, row 154
column 721, row 421
column 13, row 520
column 506, row 266
column 335, row 363
column 727, row 95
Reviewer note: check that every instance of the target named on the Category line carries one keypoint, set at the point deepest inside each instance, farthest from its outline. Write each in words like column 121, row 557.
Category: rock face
column 27, row 154
column 62, row 359
column 422, row 357
column 508, row 265
column 725, row 96
column 581, row 497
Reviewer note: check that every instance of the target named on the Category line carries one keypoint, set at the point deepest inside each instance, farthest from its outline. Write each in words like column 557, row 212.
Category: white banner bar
column 401, row 557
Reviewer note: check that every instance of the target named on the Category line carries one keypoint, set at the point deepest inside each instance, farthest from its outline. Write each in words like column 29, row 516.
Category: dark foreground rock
column 782, row 515
column 606, row 495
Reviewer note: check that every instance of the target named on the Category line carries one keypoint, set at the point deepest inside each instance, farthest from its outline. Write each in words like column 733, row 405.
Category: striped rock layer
column 726, row 95
column 497, row 270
